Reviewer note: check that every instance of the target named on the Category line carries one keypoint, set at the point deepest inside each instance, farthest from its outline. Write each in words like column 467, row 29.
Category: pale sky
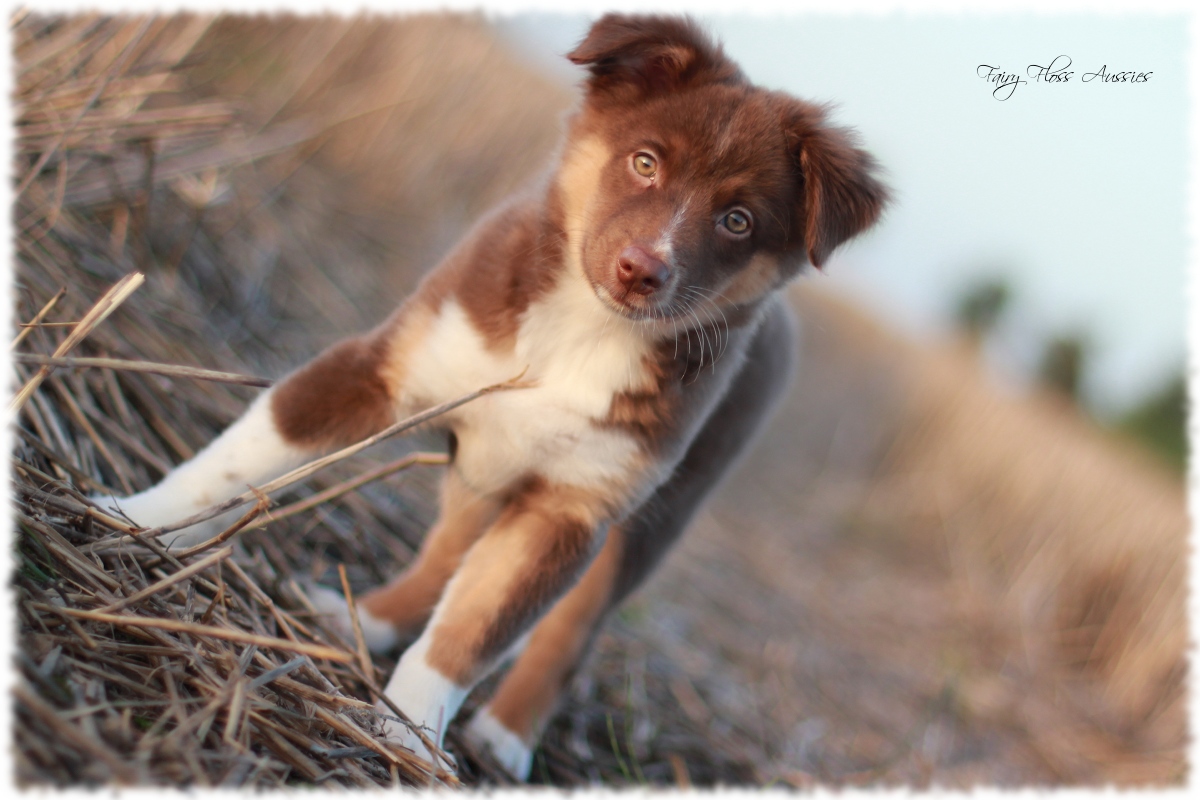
column 1076, row 191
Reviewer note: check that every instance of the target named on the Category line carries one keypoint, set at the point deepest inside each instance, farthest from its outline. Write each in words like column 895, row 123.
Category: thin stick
column 170, row 580
column 41, row 315
column 679, row 767
column 229, row 532
column 430, row 459
column 103, row 307
column 229, row 634
column 50, row 219
column 353, row 732
column 278, row 672
column 69, row 505
column 317, row 696
column 364, row 657
column 280, row 616
column 102, row 582
column 172, row 370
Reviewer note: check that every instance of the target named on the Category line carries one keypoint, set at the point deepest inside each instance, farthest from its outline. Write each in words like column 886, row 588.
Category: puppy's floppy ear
column 840, row 194
column 650, row 54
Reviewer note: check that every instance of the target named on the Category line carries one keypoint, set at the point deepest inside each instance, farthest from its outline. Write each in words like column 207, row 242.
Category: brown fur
column 841, row 197
column 764, row 150
column 339, row 397
column 497, row 273
column 649, row 413
column 408, row 600
column 527, row 695
column 548, row 534
column 760, row 276
column 630, row 56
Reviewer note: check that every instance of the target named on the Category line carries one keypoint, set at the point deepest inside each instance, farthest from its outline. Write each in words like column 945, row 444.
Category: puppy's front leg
column 335, row 400
column 538, row 546
column 510, row 724
column 249, row 452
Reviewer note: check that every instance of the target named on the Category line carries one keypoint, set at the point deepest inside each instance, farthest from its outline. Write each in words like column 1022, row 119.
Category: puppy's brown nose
column 640, row 271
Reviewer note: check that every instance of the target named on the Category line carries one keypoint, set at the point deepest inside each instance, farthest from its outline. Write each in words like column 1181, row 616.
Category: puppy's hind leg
column 408, row 601
column 335, row 400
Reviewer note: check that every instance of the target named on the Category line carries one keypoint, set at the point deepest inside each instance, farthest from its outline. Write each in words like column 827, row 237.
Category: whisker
column 723, row 337
column 675, row 330
column 700, row 330
column 700, row 325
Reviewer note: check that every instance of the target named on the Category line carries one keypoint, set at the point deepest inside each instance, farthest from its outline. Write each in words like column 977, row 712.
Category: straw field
column 913, row 579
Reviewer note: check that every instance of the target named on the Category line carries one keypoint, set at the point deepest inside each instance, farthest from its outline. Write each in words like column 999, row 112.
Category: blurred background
column 956, row 556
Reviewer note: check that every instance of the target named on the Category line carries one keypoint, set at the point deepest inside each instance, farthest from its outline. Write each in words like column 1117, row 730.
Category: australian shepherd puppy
column 635, row 292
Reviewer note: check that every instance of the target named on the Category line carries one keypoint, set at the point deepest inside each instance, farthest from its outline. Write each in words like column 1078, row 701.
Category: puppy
column 635, row 291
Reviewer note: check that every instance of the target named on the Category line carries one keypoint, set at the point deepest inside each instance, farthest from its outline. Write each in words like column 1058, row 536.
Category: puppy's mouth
column 673, row 313
column 631, row 305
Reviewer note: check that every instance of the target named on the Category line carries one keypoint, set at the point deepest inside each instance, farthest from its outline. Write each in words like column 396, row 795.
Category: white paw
column 486, row 732
column 425, row 695
column 250, row 452
column 149, row 510
column 379, row 634
column 399, row 733
column 119, row 507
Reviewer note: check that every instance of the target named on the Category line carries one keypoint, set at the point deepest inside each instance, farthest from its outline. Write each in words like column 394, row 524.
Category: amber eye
column 737, row 221
column 645, row 165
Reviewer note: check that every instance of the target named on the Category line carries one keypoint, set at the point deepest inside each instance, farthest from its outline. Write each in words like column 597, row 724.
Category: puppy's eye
column 645, row 165
column 737, row 222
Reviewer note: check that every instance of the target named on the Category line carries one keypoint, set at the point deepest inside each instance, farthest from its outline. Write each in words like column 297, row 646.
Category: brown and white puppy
column 636, row 291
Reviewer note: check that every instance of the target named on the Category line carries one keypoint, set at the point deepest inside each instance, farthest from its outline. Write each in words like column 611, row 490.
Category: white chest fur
column 576, row 352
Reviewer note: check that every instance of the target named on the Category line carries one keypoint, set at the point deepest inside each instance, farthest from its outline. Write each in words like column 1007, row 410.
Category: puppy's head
column 684, row 186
